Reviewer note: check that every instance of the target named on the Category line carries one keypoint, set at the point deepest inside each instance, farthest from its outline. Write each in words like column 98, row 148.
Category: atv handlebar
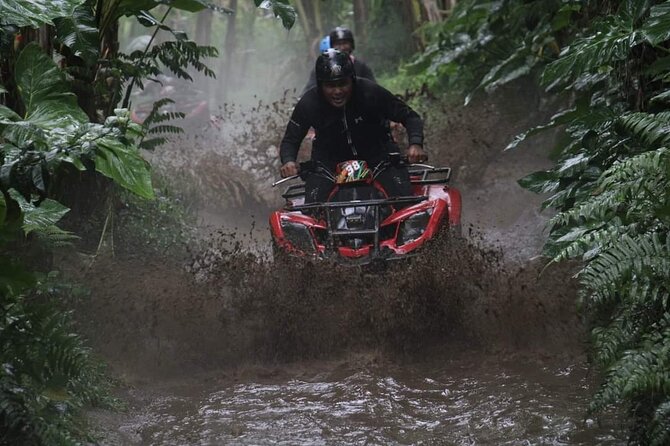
column 312, row 166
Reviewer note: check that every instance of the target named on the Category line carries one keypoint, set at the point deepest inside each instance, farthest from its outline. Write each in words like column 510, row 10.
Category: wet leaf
column 124, row 165
column 35, row 13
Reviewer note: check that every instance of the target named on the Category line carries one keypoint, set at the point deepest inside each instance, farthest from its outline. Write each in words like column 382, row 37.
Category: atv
column 359, row 223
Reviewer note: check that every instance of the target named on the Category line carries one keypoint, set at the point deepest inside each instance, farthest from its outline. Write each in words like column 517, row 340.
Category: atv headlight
column 298, row 235
column 413, row 227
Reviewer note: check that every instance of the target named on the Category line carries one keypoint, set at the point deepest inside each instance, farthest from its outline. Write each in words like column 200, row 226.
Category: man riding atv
column 349, row 115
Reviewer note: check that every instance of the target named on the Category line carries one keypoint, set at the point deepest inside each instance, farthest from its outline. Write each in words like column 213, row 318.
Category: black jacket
column 360, row 68
column 359, row 130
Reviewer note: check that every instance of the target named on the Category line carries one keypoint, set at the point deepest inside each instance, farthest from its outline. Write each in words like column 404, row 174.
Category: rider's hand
column 289, row 169
column 415, row 154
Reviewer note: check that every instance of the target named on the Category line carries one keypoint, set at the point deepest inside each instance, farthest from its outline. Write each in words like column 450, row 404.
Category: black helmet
column 333, row 65
column 341, row 33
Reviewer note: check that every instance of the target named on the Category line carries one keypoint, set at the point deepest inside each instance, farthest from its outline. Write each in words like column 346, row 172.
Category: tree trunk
column 412, row 17
column 203, row 30
column 432, row 10
column 229, row 45
column 309, row 13
column 361, row 21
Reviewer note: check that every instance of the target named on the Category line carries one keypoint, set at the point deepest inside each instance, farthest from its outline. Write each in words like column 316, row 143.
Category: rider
column 342, row 39
column 349, row 115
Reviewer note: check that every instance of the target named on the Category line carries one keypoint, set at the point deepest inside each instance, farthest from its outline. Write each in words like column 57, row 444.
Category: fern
column 610, row 183
column 154, row 124
column 47, row 374
column 636, row 257
column 659, row 429
column 642, row 371
column 652, row 130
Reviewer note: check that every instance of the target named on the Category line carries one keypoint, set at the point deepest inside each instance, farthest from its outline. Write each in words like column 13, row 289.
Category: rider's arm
column 296, row 129
column 397, row 110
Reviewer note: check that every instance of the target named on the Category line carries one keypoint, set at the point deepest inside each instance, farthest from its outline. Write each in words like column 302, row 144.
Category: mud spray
column 233, row 316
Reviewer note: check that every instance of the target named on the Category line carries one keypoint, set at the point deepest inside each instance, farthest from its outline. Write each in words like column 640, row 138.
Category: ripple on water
column 455, row 404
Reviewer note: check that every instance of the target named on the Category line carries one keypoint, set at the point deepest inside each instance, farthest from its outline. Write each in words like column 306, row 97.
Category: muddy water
column 474, row 343
column 240, row 350
column 461, row 401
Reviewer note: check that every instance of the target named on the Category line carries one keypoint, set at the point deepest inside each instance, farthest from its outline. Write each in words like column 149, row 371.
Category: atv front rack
column 375, row 206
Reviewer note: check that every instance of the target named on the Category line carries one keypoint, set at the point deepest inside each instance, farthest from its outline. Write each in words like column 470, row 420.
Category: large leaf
column 35, row 13
column 79, row 33
column 125, row 165
column 44, row 91
column 39, row 218
column 593, row 52
column 281, row 9
column 7, row 115
column 657, row 29
column 133, row 7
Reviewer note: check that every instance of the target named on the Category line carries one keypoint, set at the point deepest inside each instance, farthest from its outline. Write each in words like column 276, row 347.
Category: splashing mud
column 473, row 342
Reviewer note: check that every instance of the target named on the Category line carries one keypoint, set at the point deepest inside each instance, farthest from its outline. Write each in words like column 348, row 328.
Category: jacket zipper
column 346, row 129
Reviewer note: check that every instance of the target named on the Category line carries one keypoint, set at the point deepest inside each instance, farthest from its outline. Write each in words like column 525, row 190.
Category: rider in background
column 349, row 116
column 342, row 39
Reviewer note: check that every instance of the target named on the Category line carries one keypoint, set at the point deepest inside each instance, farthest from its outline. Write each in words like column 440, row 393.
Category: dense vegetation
column 607, row 62
column 61, row 78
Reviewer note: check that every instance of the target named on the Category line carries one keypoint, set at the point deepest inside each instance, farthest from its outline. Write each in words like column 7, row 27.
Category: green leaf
column 13, row 277
column 662, row 97
column 7, row 115
column 35, row 13
column 79, row 33
column 657, row 28
column 281, row 9
column 44, row 91
column 38, row 218
column 540, row 182
column 124, row 165
column 134, row 7
column 592, row 52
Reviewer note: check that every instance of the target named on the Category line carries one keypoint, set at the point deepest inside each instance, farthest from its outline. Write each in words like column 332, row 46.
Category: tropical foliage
column 610, row 185
column 61, row 78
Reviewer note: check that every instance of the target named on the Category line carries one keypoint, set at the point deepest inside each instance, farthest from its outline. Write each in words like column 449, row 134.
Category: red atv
column 359, row 223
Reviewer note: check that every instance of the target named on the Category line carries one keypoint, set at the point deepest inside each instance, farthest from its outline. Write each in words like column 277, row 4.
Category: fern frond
column 653, row 130
column 586, row 242
column 659, row 429
column 640, row 372
column 164, row 128
column 610, row 44
column 151, row 144
column 644, row 255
